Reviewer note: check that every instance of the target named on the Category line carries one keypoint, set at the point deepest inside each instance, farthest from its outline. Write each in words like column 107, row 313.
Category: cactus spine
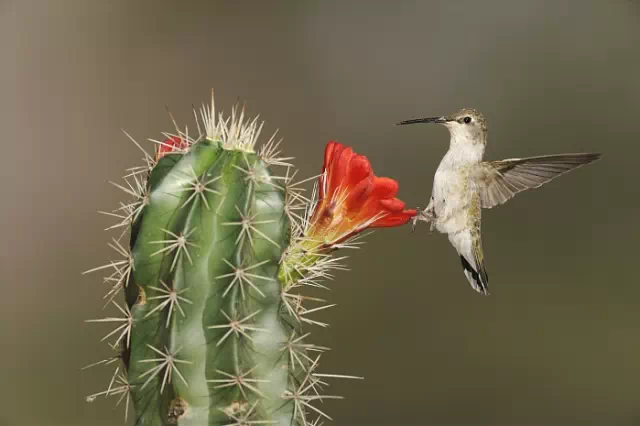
column 211, row 332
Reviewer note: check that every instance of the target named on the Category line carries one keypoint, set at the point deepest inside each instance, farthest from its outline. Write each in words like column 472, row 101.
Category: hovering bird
column 464, row 184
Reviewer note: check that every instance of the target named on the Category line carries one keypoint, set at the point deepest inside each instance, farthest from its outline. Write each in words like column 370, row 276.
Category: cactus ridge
column 212, row 328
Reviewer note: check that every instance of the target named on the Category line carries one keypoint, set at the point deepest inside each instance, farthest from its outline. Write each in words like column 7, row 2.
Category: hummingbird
column 464, row 184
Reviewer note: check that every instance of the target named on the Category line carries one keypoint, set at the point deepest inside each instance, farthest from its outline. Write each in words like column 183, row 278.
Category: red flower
column 352, row 198
column 174, row 143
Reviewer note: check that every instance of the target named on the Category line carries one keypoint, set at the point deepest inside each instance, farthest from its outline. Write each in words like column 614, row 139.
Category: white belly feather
column 452, row 198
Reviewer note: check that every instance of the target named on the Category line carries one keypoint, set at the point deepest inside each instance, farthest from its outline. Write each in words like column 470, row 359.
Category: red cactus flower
column 174, row 143
column 352, row 198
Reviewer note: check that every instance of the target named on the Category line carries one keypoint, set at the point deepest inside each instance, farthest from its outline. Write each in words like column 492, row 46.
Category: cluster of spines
column 304, row 263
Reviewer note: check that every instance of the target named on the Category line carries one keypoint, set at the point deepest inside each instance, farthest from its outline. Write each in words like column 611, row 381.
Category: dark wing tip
column 584, row 158
column 590, row 157
column 577, row 158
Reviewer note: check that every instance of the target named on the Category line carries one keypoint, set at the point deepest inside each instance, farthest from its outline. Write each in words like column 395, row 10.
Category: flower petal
column 353, row 198
column 339, row 167
column 394, row 219
column 174, row 143
column 393, row 205
column 359, row 169
column 385, row 188
column 328, row 152
column 359, row 195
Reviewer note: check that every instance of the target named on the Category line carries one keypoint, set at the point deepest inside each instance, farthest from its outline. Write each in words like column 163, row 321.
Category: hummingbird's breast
column 452, row 196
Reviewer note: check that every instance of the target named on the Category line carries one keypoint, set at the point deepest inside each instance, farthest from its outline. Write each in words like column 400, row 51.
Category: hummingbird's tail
column 469, row 246
column 479, row 280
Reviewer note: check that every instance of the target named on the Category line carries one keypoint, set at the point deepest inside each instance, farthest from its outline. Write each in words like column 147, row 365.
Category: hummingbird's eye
column 467, row 120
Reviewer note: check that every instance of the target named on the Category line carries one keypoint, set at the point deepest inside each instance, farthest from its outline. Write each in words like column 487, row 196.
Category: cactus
column 211, row 331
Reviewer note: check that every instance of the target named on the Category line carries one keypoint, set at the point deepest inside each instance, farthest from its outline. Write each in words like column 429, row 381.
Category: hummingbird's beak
column 437, row 120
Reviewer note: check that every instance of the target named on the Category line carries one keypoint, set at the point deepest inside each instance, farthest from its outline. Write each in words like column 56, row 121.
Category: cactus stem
column 238, row 277
column 124, row 329
column 254, row 176
column 241, row 381
column 248, row 224
column 241, row 276
column 245, row 420
column 199, row 188
column 237, row 327
column 171, row 298
column 169, row 363
column 177, row 409
column 180, row 244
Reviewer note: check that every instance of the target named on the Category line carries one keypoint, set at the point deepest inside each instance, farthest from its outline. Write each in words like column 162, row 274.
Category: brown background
column 557, row 343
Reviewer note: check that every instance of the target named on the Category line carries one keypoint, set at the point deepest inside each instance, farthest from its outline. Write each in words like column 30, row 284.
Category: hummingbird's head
column 466, row 125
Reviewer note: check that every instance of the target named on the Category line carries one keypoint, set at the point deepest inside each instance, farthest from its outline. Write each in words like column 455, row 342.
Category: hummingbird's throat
column 463, row 150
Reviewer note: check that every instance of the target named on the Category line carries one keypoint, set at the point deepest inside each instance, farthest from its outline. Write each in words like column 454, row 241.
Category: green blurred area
column 557, row 342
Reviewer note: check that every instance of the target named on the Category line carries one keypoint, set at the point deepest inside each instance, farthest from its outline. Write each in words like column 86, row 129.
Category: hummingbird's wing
column 499, row 181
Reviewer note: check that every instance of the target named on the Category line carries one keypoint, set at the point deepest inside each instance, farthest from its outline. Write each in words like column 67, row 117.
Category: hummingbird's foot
column 425, row 215
column 414, row 220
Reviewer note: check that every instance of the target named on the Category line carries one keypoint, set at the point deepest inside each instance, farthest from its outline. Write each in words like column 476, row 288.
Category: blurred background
column 557, row 342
